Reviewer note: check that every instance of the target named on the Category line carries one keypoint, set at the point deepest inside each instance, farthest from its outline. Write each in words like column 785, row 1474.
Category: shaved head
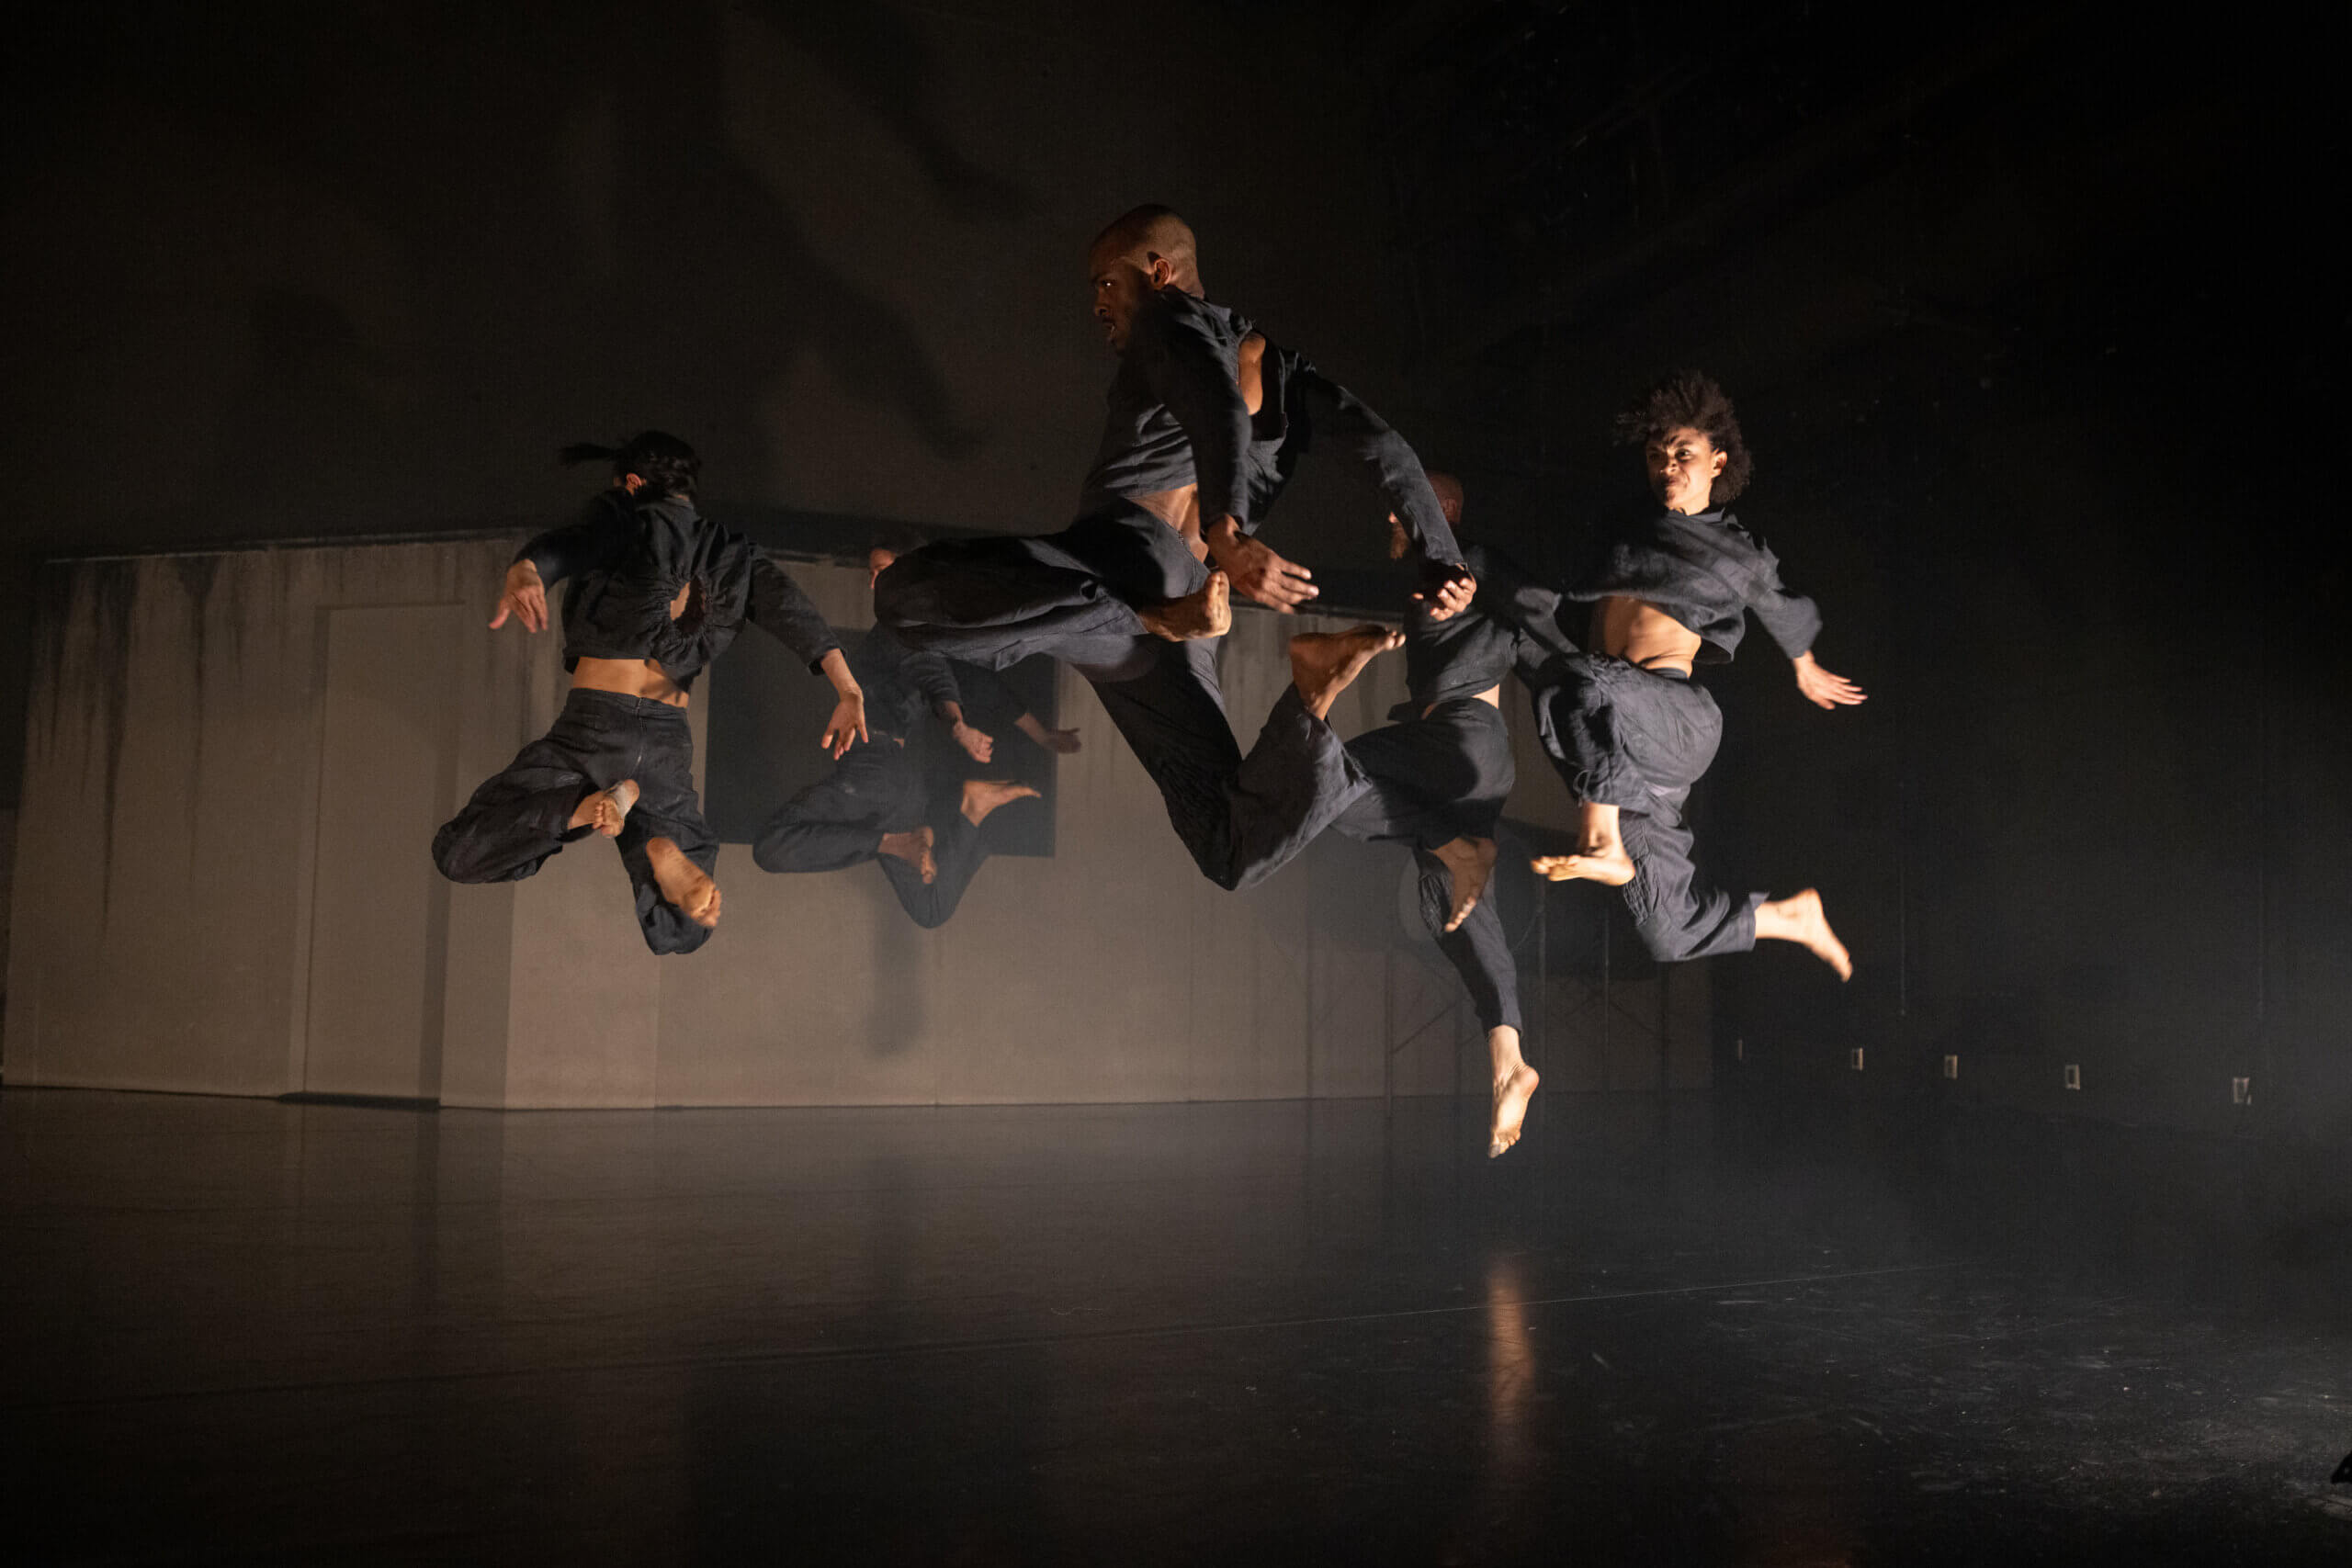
column 1148, row 232
column 1449, row 495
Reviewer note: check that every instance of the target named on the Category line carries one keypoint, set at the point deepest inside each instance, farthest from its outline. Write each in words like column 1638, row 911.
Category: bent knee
column 1664, row 942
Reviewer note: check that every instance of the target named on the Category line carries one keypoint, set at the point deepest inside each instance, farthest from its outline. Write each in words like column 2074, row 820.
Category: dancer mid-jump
column 1206, row 420
column 1442, row 771
column 1629, row 728
column 657, row 591
column 877, row 803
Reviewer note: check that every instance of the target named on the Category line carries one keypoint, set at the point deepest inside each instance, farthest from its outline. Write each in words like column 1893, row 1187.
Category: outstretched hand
column 847, row 726
column 978, row 745
column 524, row 597
column 1258, row 574
column 1822, row 689
column 1451, row 597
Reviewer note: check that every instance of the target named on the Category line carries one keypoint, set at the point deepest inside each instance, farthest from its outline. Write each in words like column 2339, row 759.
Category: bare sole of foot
column 606, row 809
column 984, row 796
column 1322, row 664
column 1472, row 862
column 1813, row 932
column 1208, row 613
column 1511, row 1096
column 683, row 883
column 914, row 848
column 1611, row 868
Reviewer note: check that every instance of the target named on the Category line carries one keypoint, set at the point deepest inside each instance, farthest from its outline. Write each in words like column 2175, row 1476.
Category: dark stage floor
column 1797, row 1331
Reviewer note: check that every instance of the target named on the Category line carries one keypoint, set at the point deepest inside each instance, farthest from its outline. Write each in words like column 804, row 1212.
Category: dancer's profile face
column 1120, row 283
column 1684, row 467
column 877, row 561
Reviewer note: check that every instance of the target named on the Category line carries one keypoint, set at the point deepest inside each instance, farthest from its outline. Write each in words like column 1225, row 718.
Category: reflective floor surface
column 1663, row 1331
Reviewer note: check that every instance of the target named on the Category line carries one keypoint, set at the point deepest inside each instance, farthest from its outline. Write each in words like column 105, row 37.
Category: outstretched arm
column 1794, row 621
column 848, row 723
column 591, row 543
column 776, row 605
column 1822, row 689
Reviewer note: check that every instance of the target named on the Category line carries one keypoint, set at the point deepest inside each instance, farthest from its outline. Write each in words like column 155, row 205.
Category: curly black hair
column 1691, row 397
column 668, row 465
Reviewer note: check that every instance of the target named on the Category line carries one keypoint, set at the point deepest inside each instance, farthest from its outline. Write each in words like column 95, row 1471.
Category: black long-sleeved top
column 1706, row 571
column 627, row 560
column 1177, row 417
column 902, row 683
column 1512, row 625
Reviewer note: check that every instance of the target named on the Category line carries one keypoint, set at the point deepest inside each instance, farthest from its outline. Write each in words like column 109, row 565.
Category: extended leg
column 1481, row 955
column 1242, row 819
column 1799, row 918
column 1075, row 594
column 1678, row 919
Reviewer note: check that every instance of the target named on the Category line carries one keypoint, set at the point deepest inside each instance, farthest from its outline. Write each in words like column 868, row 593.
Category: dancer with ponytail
column 658, row 590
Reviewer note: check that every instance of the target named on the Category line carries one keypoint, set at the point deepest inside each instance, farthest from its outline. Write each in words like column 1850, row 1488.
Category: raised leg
column 1799, row 918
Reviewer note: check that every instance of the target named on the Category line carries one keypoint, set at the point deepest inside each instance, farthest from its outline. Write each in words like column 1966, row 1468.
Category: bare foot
column 1323, row 663
column 1799, row 918
column 915, row 848
column 1208, row 613
column 984, row 796
column 1610, row 865
column 606, row 809
column 1471, row 861
column 684, row 883
column 1512, row 1091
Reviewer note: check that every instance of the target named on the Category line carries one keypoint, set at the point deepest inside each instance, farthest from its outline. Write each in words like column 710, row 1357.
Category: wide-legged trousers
column 521, row 815
column 993, row 601
column 876, row 788
column 1638, row 739
column 1435, row 778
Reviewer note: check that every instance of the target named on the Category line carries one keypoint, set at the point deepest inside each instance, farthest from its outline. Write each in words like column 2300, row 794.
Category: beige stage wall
column 236, row 761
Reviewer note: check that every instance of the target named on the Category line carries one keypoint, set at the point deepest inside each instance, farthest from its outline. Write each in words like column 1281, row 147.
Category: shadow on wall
column 455, row 229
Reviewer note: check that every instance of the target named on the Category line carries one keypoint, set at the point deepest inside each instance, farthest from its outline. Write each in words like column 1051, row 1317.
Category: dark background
column 2028, row 310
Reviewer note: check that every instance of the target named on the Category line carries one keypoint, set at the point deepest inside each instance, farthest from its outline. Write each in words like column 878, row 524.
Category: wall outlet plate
column 1854, row 1058
column 2241, row 1091
column 1951, row 1067
column 2074, row 1075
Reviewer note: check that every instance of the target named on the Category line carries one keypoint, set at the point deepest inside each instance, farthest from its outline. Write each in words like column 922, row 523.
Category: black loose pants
column 878, row 787
column 1638, row 739
column 1439, row 777
column 994, row 602
column 522, row 816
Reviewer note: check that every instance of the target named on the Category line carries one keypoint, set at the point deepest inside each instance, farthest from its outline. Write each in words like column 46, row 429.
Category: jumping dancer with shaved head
column 1206, row 420
column 1628, row 727
column 1441, row 773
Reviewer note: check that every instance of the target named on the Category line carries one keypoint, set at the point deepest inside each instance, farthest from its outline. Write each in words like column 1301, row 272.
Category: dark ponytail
column 667, row 465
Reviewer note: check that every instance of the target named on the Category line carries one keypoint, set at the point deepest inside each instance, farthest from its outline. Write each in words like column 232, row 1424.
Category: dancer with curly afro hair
column 1629, row 729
